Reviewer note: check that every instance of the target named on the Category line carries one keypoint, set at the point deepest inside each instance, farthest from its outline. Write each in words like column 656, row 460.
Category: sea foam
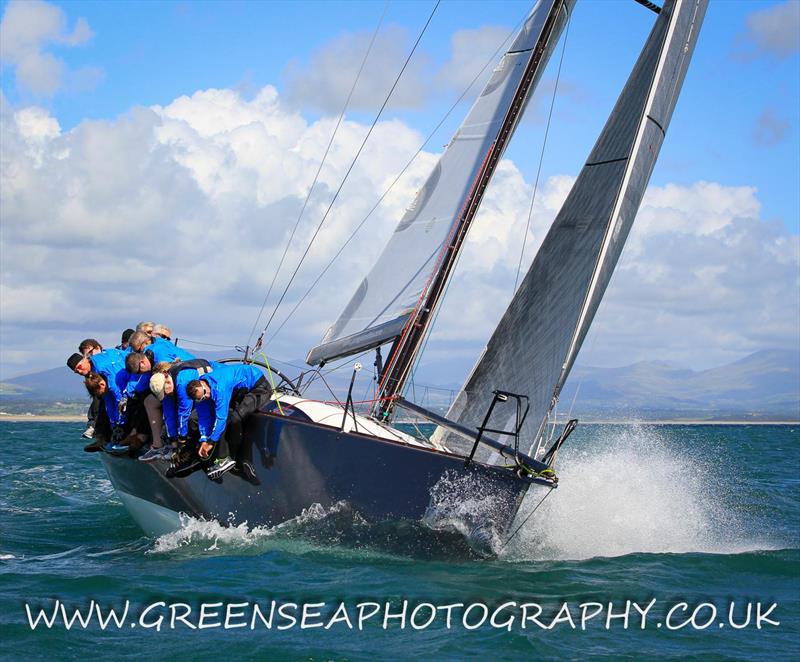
column 210, row 535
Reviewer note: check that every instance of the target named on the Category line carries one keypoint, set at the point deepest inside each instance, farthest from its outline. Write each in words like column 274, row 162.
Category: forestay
column 535, row 344
column 383, row 302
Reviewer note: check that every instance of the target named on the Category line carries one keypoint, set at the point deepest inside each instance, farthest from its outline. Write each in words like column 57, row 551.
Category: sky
column 155, row 156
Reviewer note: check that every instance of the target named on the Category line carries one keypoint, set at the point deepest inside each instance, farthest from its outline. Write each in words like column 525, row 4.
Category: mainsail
column 394, row 289
column 535, row 344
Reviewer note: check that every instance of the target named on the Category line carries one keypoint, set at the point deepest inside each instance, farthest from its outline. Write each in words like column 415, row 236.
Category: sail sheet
column 384, row 300
column 535, row 344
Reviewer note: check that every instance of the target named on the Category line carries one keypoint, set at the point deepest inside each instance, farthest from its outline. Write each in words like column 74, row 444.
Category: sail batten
column 537, row 341
column 408, row 264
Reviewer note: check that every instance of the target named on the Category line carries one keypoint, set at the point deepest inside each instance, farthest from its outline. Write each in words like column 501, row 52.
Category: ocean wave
column 210, row 535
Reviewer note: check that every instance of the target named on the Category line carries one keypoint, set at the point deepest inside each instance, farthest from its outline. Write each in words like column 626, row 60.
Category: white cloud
column 470, row 51
column 715, row 283
column 180, row 213
column 27, row 29
column 325, row 81
column 774, row 30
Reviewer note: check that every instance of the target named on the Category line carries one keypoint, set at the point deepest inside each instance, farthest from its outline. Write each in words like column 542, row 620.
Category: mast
column 406, row 347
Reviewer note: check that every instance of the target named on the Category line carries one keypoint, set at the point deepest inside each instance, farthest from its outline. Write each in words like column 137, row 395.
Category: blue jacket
column 162, row 350
column 178, row 407
column 223, row 382
column 110, row 363
column 116, row 385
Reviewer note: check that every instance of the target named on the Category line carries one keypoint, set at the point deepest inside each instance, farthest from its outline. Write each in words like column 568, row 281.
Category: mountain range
column 762, row 386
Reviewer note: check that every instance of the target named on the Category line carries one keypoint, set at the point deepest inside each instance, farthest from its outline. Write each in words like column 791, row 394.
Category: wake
column 338, row 529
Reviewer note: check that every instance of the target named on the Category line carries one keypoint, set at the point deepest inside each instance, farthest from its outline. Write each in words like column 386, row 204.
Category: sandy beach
column 36, row 418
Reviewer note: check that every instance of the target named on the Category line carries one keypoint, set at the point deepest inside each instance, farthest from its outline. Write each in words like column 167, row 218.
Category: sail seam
column 655, row 121
column 599, row 163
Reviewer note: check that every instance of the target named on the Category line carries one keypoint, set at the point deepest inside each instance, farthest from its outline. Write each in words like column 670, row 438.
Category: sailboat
column 495, row 444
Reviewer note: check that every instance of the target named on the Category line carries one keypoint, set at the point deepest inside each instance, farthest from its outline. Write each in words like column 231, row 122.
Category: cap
column 74, row 360
column 157, row 382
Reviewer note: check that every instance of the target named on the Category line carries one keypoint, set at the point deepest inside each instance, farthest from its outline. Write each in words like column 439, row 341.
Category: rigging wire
column 429, row 330
column 350, row 168
column 319, row 170
column 541, row 156
column 394, row 182
column 319, row 374
column 203, row 344
column 525, row 521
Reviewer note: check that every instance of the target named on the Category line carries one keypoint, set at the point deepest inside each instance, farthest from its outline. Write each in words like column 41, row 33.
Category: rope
column 272, row 381
column 318, row 374
column 541, row 156
column 319, row 170
column 330, row 390
column 392, row 185
column 350, row 168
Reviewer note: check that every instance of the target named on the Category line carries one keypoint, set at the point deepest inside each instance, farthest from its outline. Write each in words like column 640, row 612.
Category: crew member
column 106, row 362
column 143, row 404
column 89, row 347
column 126, row 335
column 146, row 327
column 112, row 424
column 234, row 392
column 163, row 332
column 168, row 384
column 162, row 350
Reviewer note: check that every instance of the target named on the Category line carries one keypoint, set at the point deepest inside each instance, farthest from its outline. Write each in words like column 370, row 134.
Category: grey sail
column 383, row 302
column 535, row 344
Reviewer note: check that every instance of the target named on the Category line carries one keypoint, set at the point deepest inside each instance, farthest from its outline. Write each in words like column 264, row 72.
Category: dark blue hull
column 316, row 464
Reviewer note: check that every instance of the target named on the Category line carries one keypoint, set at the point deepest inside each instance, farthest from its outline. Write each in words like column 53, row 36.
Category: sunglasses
column 203, row 395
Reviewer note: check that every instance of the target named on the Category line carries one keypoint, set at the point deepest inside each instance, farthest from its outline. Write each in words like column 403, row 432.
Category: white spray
column 630, row 490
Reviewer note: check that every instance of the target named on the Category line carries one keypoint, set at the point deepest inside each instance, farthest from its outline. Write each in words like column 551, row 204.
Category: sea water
column 701, row 516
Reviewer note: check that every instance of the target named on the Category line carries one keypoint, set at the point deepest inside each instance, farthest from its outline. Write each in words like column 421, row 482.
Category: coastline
column 43, row 418
column 687, row 422
column 77, row 418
